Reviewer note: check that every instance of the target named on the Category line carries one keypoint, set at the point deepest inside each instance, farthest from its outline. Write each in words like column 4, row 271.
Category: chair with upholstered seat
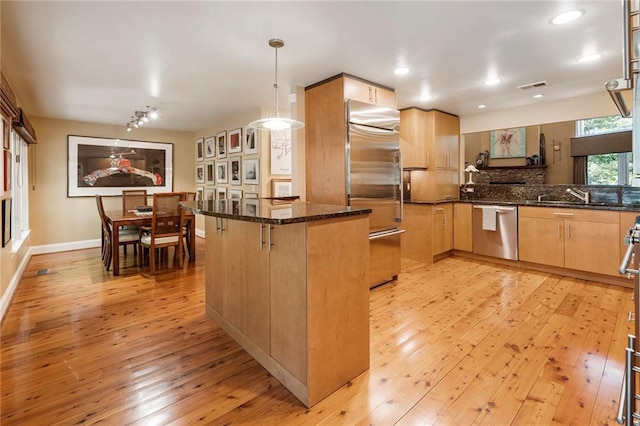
column 126, row 236
column 167, row 223
column 132, row 198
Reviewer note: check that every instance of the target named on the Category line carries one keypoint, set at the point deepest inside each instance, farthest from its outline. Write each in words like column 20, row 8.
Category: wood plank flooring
column 457, row 342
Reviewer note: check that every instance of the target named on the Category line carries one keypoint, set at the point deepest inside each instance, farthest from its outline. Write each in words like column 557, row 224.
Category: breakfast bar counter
column 289, row 282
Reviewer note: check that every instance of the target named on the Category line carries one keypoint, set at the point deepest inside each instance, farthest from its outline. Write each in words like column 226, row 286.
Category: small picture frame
column 200, row 193
column 221, row 143
column 209, row 194
column 251, row 171
column 210, row 172
column 235, row 177
column 235, row 193
column 250, row 207
column 199, row 173
column 251, row 195
column 281, row 188
column 221, row 193
column 235, row 206
column 251, row 141
column 200, row 149
column 210, row 147
column 235, row 141
column 221, row 172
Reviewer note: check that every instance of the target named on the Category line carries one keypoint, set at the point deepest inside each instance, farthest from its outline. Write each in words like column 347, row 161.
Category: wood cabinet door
column 413, row 128
column 448, row 187
column 215, row 260
column 385, row 97
column 462, row 227
column 446, row 134
column 592, row 247
column 541, row 241
column 246, row 295
column 416, row 242
column 442, row 228
column 365, row 92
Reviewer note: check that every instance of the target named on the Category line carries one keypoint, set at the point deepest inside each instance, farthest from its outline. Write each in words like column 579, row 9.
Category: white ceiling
column 203, row 61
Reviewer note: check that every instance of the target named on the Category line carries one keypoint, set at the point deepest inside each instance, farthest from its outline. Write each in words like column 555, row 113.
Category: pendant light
column 276, row 122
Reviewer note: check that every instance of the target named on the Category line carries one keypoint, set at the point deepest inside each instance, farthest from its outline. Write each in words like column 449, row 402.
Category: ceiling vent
column 532, row 85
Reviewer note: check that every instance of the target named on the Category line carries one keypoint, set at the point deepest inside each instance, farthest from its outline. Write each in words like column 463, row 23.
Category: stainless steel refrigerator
column 374, row 180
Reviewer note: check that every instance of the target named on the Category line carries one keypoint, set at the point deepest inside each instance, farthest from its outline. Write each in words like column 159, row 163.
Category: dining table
column 119, row 218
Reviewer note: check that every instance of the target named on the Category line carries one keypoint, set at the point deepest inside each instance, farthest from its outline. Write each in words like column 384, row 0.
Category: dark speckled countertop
column 268, row 211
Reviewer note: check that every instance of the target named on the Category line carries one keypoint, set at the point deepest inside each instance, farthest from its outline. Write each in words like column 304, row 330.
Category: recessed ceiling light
column 589, row 58
column 566, row 17
column 401, row 71
column 426, row 97
column 482, row 106
column 539, row 95
column 492, row 81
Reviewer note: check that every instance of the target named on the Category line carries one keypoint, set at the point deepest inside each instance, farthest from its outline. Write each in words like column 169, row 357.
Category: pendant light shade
column 276, row 121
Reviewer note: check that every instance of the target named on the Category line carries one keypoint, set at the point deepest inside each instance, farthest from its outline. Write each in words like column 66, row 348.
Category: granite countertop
column 557, row 204
column 270, row 211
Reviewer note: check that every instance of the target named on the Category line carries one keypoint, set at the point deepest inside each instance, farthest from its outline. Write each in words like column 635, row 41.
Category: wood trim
column 342, row 74
column 8, row 104
column 429, row 110
column 23, row 127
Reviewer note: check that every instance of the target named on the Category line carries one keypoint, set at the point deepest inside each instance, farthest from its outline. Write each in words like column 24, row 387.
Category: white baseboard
column 6, row 298
column 73, row 245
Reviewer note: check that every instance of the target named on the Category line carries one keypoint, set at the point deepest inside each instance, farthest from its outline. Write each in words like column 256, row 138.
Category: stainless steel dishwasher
column 495, row 231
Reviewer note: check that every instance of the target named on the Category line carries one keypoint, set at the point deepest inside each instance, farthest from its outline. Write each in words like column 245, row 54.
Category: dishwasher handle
column 498, row 209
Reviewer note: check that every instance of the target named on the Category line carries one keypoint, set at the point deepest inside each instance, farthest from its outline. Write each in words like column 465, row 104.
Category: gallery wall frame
column 210, row 147
column 199, row 193
column 106, row 166
column 251, row 171
column 200, row 149
column 200, row 173
column 251, row 140
column 281, row 188
column 235, row 141
column 222, row 172
column 509, row 143
column 235, row 175
column 210, row 172
column 221, row 144
column 280, row 154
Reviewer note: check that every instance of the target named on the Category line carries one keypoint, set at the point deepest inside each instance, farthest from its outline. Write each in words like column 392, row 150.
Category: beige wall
column 55, row 218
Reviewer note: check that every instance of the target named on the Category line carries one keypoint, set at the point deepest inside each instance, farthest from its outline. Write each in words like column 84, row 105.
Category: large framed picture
column 251, row 171
column 221, row 172
column 281, row 152
column 250, row 140
column 200, row 149
column 210, row 147
column 221, row 143
column 235, row 141
column 107, row 166
column 235, row 176
column 508, row 143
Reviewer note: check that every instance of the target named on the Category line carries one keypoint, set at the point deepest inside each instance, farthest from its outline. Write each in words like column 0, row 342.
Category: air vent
column 532, row 85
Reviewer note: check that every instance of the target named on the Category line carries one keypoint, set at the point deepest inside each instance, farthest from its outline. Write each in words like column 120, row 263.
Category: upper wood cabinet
column 429, row 139
column 364, row 91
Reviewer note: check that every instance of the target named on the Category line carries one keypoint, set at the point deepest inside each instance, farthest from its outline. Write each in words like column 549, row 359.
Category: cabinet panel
column 215, row 265
column 462, row 227
column 369, row 93
column 416, row 242
column 442, row 228
column 592, row 247
column 413, row 131
column 541, row 241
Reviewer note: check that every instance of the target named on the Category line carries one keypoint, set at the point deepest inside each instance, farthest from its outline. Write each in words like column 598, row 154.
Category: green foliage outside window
column 607, row 169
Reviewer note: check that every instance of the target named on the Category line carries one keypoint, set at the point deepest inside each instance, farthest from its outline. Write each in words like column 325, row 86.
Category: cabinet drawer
column 570, row 214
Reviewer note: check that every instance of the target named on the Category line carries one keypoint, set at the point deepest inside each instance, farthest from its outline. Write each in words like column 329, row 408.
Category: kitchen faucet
column 582, row 195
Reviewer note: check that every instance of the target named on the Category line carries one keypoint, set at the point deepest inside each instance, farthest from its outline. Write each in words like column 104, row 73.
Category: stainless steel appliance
column 495, row 231
column 374, row 180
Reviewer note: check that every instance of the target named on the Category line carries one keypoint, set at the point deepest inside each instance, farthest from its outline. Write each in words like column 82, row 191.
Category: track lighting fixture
column 140, row 117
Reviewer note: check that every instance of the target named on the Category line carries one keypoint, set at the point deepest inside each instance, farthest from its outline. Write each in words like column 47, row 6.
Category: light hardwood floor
column 454, row 343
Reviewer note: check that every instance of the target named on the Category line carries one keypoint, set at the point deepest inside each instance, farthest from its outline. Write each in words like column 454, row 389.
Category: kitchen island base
column 295, row 296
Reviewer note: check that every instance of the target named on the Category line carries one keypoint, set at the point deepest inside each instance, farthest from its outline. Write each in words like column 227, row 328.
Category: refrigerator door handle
column 398, row 158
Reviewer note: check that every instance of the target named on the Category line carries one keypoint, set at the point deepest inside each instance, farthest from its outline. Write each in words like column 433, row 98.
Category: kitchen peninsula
column 289, row 282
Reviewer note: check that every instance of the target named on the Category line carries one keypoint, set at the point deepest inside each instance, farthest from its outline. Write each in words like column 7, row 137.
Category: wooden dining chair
column 132, row 198
column 126, row 236
column 167, row 224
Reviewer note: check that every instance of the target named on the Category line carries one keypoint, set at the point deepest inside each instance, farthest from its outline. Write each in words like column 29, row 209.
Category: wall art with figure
column 509, row 143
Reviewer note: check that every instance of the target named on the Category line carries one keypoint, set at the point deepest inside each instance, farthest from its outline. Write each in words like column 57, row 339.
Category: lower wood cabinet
column 442, row 228
column 429, row 231
column 584, row 240
column 463, row 226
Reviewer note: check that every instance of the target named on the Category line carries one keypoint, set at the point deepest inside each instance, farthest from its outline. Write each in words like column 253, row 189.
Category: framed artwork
column 221, row 172
column 508, row 143
column 199, row 173
column 107, row 166
column 235, row 193
column 199, row 193
column 8, row 158
column 250, row 195
column 221, row 143
column 235, row 206
column 209, row 194
column 250, row 207
column 210, row 172
column 235, row 141
column 221, row 193
column 200, row 149
column 235, row 178
column 221, row 205
column 250, row 141
column 281, row 188
column 210, row 147
column 281, row 152
column 251, row 171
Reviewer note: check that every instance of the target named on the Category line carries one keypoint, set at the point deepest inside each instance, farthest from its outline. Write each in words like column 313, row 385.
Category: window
column 19, row 190
column 611, row 168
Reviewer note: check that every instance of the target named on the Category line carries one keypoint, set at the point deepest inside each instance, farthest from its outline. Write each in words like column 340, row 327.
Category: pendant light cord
column 276, row 86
